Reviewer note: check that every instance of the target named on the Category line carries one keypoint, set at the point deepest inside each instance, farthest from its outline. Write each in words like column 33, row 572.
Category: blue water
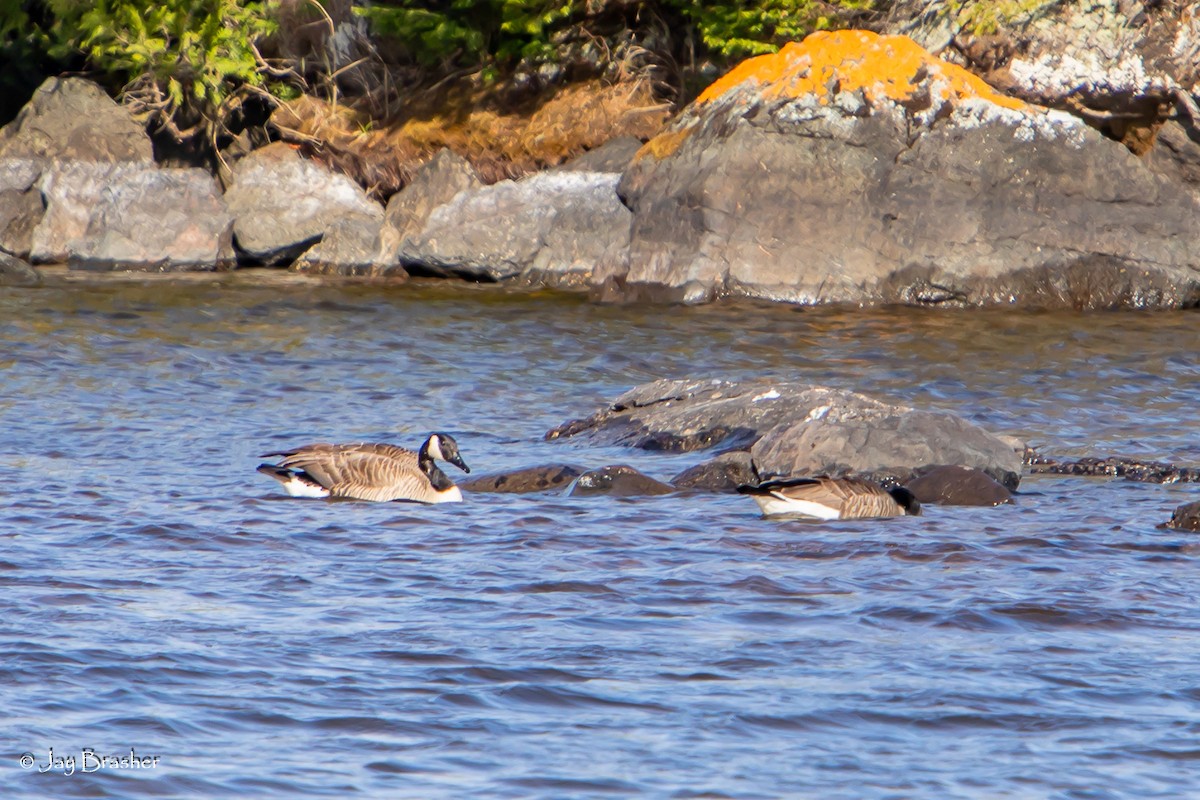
column 159, row 595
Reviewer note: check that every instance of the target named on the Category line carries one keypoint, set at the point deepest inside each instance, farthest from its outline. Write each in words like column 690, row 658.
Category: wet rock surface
column 794, row 429
column 1185, row 518
column 15, row 272
column 724, row 473
column 953, row 485
column 544, row 478
column 618, row 480
column 1131, row 469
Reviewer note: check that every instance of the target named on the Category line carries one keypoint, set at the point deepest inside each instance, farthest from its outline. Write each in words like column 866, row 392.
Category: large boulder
column 433, row 185
column 71, row 190
column 73, row 119
column 796, row 429
column 541, row 478
column 552, row 228
column 853, row 168
column 69, row 142
column 157, row 219
column 283, row 204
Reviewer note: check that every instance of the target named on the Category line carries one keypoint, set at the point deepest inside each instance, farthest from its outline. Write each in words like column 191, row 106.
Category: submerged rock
column 1131, row 469
column 553, row 228
column 617, row 481
column 1185, row 518
column 523, row 481
column 725, row 473
column 953, row 485
column 854, row 168
column 795, row 429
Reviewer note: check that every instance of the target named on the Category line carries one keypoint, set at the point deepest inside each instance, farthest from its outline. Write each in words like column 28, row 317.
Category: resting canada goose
column 378, row 472
column 831, row 498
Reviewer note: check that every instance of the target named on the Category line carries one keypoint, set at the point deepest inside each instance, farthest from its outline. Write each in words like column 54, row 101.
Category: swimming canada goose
column 831, row 498
column 377, row 472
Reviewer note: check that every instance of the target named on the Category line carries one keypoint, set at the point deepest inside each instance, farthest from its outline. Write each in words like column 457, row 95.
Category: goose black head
column 907, row 500
column 442, row 446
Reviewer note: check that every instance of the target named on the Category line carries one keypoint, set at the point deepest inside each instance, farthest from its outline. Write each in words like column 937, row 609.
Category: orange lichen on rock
column 883, row 67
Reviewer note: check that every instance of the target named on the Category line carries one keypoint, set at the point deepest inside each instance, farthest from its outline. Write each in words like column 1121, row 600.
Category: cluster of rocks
column 848, row 168
column 764, row 429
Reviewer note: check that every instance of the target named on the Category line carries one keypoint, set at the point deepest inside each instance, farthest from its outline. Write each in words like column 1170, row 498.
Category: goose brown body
column 831, row 498
column 375, row 472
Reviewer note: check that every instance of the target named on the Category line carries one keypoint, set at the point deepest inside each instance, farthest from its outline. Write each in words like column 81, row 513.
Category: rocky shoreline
column 850, row 168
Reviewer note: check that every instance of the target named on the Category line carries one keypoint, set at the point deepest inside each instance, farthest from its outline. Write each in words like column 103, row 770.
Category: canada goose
column 378, row 472
column 831, row 498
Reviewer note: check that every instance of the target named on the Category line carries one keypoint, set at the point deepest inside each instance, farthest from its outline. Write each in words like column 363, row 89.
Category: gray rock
column 617, row 480
column 612, row 156
column 350, row 246
column 71, row 190
column 523, row 481
column 953, row 485
column 73, row 119
column 852, row 438
column 433, row 185
column 1185, row 518
column 851, row 197
column 795, row 429
column 15, row 272
column 1176, row 153
column 157, row 219
column 21, row 206
column 724, row 473
column 551, row 228
column 283, row 204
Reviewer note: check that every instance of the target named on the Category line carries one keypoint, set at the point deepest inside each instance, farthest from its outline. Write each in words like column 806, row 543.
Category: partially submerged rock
column 795, row 429
column 1131, row 469
column 953, row 485
column 544, row 478
column 724, row 473
column 15, row 272
column 854, row 168
column 1185, row 518
column 617, row 480
column 553, row 228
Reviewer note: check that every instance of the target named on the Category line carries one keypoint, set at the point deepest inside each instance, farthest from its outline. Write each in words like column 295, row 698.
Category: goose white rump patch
column 776, row 504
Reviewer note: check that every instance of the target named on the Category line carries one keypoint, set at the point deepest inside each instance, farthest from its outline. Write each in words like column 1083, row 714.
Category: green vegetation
column 184, row 63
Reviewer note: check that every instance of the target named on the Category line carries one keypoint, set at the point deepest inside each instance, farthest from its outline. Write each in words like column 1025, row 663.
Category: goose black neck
column 438, row 479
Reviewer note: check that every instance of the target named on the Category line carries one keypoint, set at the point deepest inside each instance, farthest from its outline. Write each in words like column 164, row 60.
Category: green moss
column 985, row 17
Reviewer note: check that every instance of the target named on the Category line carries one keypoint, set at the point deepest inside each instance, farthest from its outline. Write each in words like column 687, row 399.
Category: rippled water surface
column 160, row 595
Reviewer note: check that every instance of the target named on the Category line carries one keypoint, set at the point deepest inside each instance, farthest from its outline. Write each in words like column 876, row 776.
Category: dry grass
column 500, row 142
